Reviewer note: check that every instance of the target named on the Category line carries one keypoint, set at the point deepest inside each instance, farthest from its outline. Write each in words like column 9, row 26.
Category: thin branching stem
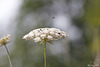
column 8, row 56
column 45, row 53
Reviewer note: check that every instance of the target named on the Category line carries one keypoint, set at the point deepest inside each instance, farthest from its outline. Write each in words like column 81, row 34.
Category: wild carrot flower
column 44, row 35
column 3, row 42
column 49, row 34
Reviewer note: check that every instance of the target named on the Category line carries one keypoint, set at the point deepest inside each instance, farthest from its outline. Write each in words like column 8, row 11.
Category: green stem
column 8, row 55
column 45, row 53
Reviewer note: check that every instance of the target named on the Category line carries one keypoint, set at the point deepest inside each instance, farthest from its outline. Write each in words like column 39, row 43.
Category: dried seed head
column 40, row 34
column 4, row 40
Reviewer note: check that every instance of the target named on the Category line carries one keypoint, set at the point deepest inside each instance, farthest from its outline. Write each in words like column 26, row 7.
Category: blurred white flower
column 47, row 34
column 4, row 40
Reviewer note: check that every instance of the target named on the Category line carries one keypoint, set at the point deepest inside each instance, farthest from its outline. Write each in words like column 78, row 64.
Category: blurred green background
column 79, row 18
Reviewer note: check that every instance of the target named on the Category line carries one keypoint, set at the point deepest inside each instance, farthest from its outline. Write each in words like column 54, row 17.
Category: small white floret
column 43, row 36
column 37, row 39
column 49, row 37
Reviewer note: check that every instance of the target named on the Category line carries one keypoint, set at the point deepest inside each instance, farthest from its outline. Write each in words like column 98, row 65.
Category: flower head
column 4, row 40
column 47, row 34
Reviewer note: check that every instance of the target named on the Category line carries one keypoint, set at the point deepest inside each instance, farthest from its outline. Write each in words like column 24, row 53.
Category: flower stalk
column 45, row 53
column 8, row 56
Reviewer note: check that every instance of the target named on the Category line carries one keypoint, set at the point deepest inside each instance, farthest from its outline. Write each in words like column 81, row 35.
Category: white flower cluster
column 4, row 40
column 40, row 34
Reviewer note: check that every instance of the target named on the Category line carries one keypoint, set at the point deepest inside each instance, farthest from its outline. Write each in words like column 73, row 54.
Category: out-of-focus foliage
column 92, row 14
column 34, row 5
